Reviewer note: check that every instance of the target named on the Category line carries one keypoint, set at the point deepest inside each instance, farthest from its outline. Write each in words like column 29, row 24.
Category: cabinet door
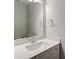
column 55, row 57
column 44, row 55
column 54, row 52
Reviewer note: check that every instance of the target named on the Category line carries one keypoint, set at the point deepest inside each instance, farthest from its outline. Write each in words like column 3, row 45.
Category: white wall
column 55, row 10
column 35, row 18
column 20, row 21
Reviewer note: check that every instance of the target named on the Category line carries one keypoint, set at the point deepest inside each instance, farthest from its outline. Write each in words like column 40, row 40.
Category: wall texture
column 20, row 21
column 55, row 10
column 35, row 18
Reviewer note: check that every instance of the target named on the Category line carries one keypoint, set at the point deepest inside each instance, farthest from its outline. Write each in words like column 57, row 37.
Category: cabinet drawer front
column 54, row 57
column 54, row 50
column 43, row 55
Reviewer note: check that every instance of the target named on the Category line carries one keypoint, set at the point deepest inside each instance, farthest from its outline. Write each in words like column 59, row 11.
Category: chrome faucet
column 33, row 39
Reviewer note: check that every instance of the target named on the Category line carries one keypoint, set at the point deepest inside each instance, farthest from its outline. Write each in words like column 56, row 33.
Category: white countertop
column 20, row 51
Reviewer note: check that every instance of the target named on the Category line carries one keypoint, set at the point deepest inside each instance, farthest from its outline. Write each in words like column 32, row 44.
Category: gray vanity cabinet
column 43, row 55
column 52, row 53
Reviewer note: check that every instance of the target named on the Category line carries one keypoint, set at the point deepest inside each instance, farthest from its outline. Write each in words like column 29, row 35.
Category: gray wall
column 20, row 21
column 55, row 10
column 35, row 18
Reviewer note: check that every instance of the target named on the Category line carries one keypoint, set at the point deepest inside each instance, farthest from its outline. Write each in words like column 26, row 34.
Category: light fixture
column 30, row 0
column 39, row 1
column 35, row 1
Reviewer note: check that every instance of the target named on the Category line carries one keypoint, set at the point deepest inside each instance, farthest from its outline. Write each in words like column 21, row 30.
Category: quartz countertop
column 20, row 51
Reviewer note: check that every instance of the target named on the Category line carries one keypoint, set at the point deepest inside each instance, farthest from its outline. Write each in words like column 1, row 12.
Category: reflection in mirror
column 28, row 18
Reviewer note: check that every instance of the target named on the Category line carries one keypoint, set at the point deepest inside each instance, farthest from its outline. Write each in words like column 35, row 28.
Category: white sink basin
column 35, row 46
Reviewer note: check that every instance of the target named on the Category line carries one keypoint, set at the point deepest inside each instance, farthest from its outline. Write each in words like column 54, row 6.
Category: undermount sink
column 35, row 46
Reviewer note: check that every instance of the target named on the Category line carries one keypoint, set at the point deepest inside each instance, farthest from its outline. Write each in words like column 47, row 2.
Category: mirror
column 28, row 18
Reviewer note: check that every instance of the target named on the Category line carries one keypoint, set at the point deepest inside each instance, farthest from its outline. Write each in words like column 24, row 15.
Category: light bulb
column 37, row 1
column 30, row 0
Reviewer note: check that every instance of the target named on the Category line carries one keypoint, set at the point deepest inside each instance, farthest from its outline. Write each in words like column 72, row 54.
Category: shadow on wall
column 62, row 54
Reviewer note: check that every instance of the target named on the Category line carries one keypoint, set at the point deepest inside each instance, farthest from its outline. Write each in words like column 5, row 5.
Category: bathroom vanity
column 41, row 49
